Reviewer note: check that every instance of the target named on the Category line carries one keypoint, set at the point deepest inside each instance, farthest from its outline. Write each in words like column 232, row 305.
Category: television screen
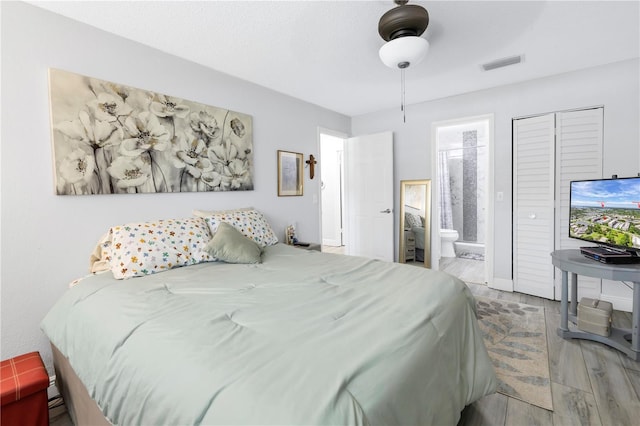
column 606, row 211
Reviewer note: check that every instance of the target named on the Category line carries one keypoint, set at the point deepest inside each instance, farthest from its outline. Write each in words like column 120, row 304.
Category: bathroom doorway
column 463, row 210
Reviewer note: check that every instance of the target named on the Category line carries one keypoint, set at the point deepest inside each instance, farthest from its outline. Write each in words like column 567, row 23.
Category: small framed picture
column 290, row 178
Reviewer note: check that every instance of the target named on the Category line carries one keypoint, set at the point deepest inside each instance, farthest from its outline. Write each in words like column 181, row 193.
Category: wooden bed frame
column 82, row 409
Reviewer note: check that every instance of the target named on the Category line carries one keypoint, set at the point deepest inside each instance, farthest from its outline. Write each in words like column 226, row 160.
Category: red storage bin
column 23, row 388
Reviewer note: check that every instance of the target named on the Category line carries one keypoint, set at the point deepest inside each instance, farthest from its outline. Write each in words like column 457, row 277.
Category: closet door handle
column 385, row 211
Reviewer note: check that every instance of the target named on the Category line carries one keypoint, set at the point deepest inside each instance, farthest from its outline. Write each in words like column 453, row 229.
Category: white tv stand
column 576, row 263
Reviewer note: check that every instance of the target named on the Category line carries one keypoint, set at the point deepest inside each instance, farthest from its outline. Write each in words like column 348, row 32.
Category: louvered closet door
column 578, row 157
column 533, row 199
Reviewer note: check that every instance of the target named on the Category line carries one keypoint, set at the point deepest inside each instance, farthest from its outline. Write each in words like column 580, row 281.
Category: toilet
column 447, row 238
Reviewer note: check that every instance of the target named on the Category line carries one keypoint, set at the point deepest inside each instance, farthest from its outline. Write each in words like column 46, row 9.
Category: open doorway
column 332, row 191
column 463, row 213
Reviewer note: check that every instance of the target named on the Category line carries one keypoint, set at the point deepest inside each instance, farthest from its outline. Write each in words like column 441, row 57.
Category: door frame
column 329, row 132
column 489, row 199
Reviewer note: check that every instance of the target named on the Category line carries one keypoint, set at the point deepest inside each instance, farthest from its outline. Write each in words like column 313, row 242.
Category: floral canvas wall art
column 111, row 139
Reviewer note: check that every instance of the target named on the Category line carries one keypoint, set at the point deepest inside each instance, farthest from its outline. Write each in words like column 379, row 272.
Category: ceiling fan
column 401, row 27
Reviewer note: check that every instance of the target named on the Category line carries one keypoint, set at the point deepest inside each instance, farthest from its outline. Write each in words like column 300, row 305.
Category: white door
column 369, row 196
column 533, row 200
column 578, row 157
column 549, row 151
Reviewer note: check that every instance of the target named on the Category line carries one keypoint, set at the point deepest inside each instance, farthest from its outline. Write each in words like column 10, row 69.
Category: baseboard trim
column 501, row 284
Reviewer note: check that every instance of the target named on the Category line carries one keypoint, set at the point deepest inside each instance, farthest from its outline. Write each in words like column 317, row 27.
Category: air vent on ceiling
column 499, row 63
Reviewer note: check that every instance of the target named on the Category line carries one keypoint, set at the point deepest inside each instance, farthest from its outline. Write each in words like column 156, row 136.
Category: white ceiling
column 326, row 52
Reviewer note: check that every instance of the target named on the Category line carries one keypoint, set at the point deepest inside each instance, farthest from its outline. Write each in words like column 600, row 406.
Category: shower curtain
column 446, row 216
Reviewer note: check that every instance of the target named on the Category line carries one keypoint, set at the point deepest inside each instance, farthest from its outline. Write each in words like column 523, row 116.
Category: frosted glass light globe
column 409, row 50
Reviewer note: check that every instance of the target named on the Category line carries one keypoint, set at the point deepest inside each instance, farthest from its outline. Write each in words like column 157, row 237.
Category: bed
column 302, row 337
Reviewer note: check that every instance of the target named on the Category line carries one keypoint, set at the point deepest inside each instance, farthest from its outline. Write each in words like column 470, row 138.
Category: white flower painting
column 113, row 139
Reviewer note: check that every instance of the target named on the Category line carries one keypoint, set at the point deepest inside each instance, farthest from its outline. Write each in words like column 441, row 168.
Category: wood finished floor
column 591, row 384
column 468, row 270
column 333, row 249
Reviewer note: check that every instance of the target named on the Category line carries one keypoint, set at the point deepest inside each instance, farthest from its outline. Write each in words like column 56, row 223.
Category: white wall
column 616, row 86
column 46, row 239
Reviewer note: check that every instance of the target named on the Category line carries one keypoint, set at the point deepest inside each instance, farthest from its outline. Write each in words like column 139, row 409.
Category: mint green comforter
column 303, row 338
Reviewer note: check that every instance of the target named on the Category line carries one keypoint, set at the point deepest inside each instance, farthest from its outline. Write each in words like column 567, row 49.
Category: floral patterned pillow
column 250, row 222
column 146, row 248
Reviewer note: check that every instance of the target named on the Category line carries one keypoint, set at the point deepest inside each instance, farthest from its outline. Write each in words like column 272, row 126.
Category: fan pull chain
column 404, row 109
column 401, row 91
column 402, row 66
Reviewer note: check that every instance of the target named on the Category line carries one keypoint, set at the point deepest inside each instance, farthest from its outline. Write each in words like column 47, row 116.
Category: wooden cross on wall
column 311, row 162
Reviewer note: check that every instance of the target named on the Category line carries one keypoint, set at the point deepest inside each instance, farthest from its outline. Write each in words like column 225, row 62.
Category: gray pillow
column 412, row 221
column 229, row 245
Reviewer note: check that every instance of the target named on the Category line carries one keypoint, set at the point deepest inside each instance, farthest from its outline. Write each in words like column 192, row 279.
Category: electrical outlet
column 499, row 196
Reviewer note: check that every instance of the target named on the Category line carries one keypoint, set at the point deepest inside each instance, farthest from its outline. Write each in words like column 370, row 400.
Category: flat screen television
column 606, row 212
